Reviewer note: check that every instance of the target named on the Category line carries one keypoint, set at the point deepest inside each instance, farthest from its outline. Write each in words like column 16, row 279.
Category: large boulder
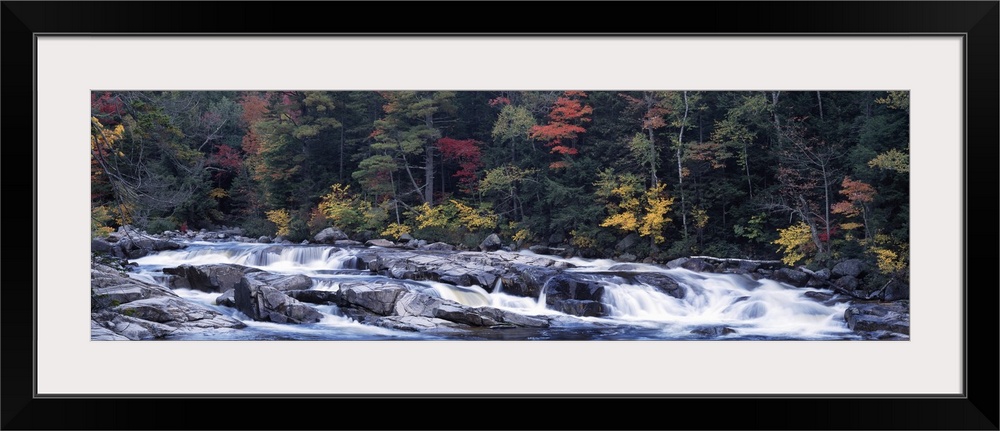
column 661, row 282
column 576, row 294
column 437, row 246
column 281, row 282
column 791, row 276
column 380, row 243
column 873, row 317
column 264, row 303
column 378, row 298
column 627, row 242
column 850, row 267
column 897, row 290
column 127, row 308
column 491, row 243
column 208, row 278
column 329, row 235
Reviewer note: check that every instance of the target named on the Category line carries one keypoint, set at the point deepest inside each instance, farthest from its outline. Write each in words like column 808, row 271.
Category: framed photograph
column 504, row 215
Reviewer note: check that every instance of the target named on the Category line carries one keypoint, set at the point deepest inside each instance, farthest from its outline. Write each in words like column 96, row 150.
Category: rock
column 576, row 294
column 677, row 263
column 406, row 237
column 791, row 276
column 264, row 303
column 580, row 308
column 173, row 312
column 627, row 257
column 116, row 295
column 208, row 278
column 460, row 314
column 696, row 265
column 556, row 238
column 891, row 317
column 414, row 323
column 823, row 274
column 491, row 243
column 541, row 249
column 264, row 240
column 280, row 282
column 304, row 242
column 329, row 235
column 380, row 243
column 627, row 242
column 346, row 243
column 227, row 299
column 314, row 296
column 663, row 283
column 98, row 245
column 438, row 246
column 897, row 290
column 379, row 298
column 714, row 331
column 850, row 267
column 847, row 283
column 100, row 333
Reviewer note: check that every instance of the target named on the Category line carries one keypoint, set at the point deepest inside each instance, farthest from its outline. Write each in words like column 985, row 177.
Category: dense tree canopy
column 807, row 177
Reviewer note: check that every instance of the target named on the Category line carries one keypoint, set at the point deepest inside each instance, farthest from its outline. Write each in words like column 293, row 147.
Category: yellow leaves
column 893, row 160
column 700, row 217
column 521, row 235
column 218, row 193
column 632, row 208
column 794, row 242
column 280, row 218
column 850, row 226
column 888, row 261
column 454, row 215
column 99, row 217
column 396, row 230
column 625, row 221
column 102, row 138
column 428, row 216
column 582, row 240
column 474, row 219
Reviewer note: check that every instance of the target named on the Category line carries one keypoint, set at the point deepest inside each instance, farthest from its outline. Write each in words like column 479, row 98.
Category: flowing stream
column 713, row 306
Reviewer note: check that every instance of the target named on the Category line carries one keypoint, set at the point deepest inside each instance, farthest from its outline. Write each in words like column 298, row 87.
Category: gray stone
column 264, row 240
column 264, row 303
column 227, row 299
column 98, row 245
column 329, row 235
column 378, row 298
column 314, row 296
column 491, row 243
column 627, row 242
column 849, row 267
column 280, row 282
column 867, row 317
column 208, row 278
column 380, row 243
column 627, row 257
column 791, row 276
column 897, row 290
column 847, row 283
column 438, row 246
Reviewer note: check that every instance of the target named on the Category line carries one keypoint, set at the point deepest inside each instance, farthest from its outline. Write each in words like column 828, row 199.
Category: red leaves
column 499, row 101
column 559, row 149
column 566, row 117
column 467, row 153
column 227, row 157
column 104, row 108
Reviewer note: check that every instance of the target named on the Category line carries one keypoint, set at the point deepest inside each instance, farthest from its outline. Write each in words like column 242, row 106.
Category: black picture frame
column 977, row 22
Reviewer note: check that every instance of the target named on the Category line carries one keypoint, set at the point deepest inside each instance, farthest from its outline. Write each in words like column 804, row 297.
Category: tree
column 466, row 152
column 633, row 208
column 566, row 120
column 407, row 129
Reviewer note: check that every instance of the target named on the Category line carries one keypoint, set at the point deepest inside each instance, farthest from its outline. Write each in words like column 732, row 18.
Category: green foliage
column 161, row 224
column 161, row 158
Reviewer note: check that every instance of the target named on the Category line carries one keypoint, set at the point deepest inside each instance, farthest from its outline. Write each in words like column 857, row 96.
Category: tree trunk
column 680, row 170
column 429, row 166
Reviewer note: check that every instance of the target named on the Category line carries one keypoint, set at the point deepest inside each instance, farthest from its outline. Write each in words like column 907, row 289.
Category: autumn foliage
column 565, row 124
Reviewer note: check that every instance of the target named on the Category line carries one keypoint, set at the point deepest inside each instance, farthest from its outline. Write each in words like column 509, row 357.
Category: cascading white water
column 284, row 259
column 752, row 308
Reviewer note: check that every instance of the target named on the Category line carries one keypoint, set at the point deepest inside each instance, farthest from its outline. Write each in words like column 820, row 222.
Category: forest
column 807, row 177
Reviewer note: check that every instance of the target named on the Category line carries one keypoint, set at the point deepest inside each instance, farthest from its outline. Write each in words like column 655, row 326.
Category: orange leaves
column 566, row 117
column 559, row 149
column 857, row 191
